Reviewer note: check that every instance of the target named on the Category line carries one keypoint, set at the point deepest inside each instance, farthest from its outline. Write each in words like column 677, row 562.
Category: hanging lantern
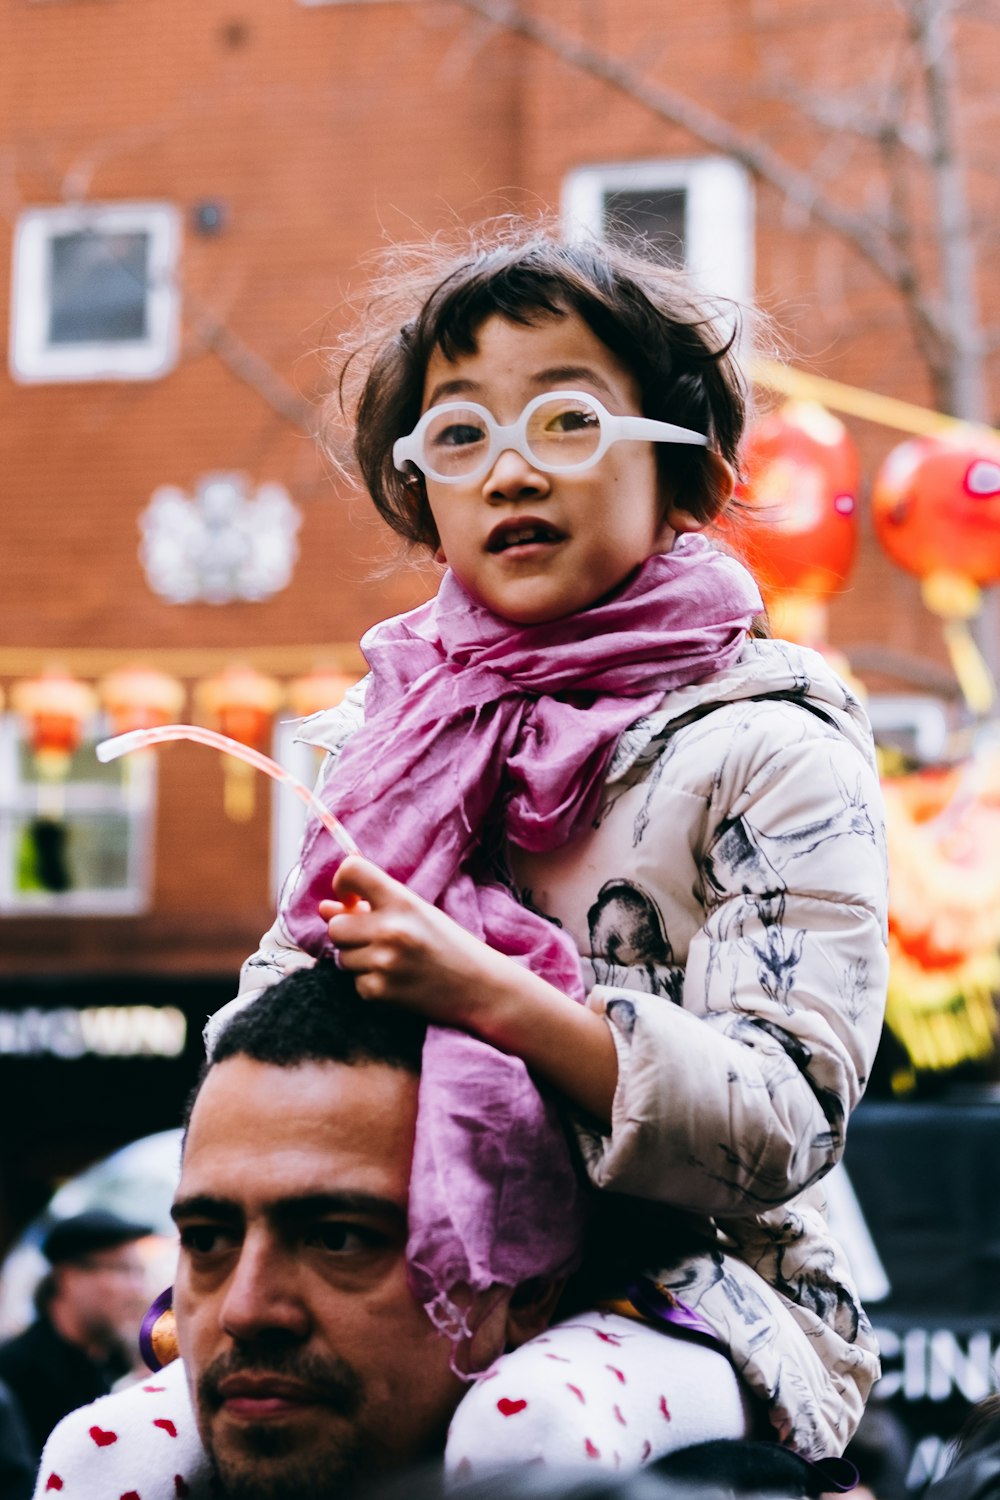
column 802, row 485
column 936, row 508
column 318, row 690
column 241, row 703
column 139, row 697
column 55, row 708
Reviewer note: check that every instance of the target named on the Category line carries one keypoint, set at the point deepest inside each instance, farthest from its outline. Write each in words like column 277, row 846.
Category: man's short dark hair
column 316, row 1015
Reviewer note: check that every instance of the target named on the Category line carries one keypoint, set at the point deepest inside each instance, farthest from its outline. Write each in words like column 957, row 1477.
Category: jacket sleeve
column 737, row 1098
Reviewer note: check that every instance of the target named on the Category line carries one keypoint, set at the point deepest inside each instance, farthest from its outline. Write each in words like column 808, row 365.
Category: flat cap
column 83, row 1234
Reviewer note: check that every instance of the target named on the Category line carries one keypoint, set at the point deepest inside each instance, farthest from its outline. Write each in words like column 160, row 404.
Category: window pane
column 98, row 287
column 79, row 853
column 657, row 215
column 84, row 767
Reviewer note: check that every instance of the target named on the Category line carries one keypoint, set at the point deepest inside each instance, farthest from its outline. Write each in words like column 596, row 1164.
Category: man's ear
column 719, row 492
column 531, row 1309
column 501, row 1320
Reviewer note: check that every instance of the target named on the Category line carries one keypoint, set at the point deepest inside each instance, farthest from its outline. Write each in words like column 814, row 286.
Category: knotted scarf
column 475, row 727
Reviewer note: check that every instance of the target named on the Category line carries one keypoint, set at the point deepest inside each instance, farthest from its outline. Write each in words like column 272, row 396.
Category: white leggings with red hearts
column 598, row 1389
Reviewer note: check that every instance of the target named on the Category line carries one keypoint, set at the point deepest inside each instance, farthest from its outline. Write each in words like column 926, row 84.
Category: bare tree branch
column 943, row 311
column 852, row 116
column 249, row 366
column 930, row 29
column 923, row 315
column 866, row 236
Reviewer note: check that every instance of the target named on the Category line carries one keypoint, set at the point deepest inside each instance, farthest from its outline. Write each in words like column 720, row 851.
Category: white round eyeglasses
column 559, row 432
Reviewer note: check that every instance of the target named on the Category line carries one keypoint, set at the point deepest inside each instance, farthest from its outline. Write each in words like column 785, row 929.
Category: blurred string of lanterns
column 59, row 715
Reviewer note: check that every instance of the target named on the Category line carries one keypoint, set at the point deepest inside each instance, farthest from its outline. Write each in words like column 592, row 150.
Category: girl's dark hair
column 643, row 312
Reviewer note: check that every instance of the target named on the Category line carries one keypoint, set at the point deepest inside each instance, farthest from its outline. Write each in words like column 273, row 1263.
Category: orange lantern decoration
column 139, row 697
column 936, row 508
column 241, row 703
column 55, row 708
column 318, row 690
column 802, row 483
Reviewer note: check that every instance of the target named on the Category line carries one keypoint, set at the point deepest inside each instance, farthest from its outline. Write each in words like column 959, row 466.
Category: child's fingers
column 355, row 907
column 359, row 878
column 349, row 926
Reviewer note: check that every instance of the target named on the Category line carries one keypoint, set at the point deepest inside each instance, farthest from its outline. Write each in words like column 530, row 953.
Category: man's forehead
column 316, row 1127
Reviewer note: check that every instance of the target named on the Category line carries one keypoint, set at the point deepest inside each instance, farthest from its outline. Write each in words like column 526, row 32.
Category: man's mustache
column 331, row 1381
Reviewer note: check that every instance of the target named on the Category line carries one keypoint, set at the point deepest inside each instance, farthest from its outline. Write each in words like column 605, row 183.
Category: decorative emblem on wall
column 221, row 544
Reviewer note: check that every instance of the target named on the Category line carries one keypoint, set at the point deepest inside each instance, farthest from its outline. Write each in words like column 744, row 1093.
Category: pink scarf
column 474, row 727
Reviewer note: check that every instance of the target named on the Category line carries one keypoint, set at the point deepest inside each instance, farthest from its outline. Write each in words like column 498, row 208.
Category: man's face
column 307, row 1356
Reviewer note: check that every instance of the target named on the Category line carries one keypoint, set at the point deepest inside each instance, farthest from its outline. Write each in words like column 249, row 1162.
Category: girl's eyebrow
column 551, row 378
column 562, row 375
column 446, row 388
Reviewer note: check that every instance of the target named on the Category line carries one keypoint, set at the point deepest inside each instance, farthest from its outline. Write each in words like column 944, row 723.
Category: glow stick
column 142, row 739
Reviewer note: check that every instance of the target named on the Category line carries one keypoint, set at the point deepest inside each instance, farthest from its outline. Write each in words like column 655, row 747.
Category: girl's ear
column 719, row 492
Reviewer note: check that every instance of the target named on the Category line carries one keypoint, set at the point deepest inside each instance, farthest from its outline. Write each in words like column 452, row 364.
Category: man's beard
column 273, row 1464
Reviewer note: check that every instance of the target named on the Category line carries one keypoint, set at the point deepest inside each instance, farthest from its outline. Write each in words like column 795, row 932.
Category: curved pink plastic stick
column 142, row 739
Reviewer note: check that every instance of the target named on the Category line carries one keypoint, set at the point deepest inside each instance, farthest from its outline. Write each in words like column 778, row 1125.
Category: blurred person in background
column 882, row 1451
column 974, row 1473
column 89, row 1307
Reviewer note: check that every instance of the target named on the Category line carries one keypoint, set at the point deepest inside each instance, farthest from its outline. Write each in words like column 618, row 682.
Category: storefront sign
column 96, row 1031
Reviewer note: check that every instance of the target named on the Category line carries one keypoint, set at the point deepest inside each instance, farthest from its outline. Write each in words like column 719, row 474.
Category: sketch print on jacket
column 729, row 905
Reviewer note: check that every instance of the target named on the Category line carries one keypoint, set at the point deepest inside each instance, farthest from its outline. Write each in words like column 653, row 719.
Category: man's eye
column 458, row 435
column 205, row 1239
column 340, row 1239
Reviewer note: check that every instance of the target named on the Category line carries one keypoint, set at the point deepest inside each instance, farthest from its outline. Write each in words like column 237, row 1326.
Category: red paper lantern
column 55, row 708
column 241, row 703
column 802, row 484
column 140, row 697
column 936, row 507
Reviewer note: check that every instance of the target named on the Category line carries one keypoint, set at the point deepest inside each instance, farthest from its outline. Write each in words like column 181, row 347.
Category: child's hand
column 402, row 949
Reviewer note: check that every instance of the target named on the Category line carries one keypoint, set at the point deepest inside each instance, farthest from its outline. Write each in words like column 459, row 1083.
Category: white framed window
column 81, row 846
column 913, row 723
column 289, row 813
column 94, row 293
column 698, row 211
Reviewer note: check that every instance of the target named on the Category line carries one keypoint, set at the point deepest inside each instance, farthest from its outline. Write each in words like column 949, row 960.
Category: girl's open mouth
column 528, row 532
